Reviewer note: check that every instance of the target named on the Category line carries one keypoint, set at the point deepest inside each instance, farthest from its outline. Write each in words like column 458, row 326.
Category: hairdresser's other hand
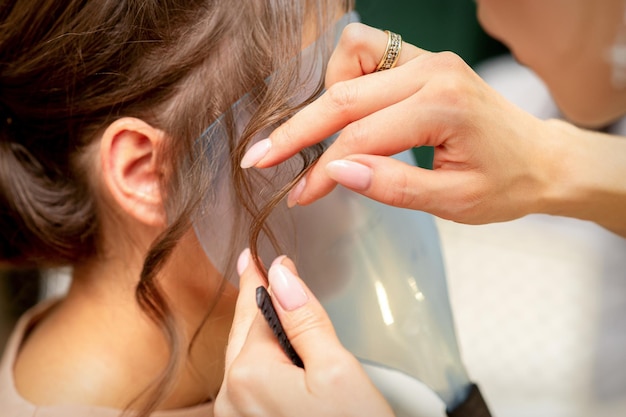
column 490, row 157
column 260, row 380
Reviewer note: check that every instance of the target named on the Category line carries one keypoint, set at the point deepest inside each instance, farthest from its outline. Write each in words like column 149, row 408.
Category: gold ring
column 392, row 52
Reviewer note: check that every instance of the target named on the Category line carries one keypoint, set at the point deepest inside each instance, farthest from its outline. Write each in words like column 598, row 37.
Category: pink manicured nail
column 256, row 153
column 350, row 174
column 278, row 260
column 243, row 261
column 286, row 288
column 294, row 195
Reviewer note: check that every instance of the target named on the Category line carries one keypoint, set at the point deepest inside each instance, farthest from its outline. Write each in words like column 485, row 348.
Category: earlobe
column 129, row 150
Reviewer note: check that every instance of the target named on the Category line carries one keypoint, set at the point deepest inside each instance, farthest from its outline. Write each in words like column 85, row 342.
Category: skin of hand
column 259, row 378
column 492, row 161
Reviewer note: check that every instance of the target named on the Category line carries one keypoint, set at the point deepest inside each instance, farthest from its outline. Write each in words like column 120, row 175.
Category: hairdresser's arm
column 591, row 184
column 261, row 381
column 492, row 162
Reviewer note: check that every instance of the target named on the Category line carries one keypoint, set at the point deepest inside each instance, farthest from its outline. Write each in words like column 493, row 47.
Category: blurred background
column 19, row 289
column 435, row 25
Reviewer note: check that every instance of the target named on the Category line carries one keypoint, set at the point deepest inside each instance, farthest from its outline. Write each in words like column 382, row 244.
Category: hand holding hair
column 332, row 383
column 492, row 161
column 431, row 99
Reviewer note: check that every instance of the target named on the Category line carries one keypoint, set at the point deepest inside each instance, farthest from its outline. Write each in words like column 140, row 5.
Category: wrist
column 564, row 186
column 587, row 175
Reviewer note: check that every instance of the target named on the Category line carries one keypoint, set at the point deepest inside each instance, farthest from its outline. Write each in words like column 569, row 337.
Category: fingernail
column 243, row 261
column 278, row 260
column 255, row 153
column 286, row 288
column 350, row 174
column 294, row 195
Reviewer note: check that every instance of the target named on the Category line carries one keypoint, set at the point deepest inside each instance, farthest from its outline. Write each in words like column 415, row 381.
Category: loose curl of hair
column 69, row 68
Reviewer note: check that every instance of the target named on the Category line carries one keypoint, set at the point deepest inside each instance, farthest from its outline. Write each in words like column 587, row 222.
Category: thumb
column 303, row 318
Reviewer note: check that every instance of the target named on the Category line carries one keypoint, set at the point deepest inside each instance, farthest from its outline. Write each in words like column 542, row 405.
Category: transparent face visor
column 376, row 269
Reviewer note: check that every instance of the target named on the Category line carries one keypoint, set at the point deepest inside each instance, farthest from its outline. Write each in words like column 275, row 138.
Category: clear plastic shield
column 377, row 269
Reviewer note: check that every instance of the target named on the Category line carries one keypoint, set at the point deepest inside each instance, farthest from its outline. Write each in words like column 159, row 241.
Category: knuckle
column 240, row 383
column 309, row 324
column 338, row 374
column 285, row 134
column 304, row 323
column 342, row 96
column 455, row 103
column 469, row 202
column 450, row 60
column 354, row 136
column 398, row 192
column 353, row 37
column 453, row 88
column 451, row 66
column 455, row 84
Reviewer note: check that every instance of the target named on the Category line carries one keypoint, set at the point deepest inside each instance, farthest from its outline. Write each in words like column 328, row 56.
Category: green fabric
column 435, row 25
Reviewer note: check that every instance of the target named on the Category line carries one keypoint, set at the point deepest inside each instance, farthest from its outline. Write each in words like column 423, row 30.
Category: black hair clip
column 264, row 302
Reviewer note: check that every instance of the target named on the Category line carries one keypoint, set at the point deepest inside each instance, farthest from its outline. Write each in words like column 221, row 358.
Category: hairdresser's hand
column 491, row 158
column 260, row 380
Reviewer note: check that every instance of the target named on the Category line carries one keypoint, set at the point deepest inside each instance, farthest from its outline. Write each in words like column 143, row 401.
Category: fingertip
column 243, row 261
column 294, row 195
column 285, row 261
column 278, row 260
column 286, row 287
column 350, row 174
column 256, row 154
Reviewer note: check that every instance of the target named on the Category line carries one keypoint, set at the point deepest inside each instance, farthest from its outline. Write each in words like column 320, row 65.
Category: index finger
column 350, row 96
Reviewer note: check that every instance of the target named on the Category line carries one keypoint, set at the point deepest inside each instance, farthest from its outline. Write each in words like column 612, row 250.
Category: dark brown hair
column 69, row 68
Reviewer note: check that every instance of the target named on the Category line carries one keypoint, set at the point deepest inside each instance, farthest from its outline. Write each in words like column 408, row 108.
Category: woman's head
column 70, row 69
column 101, row 104
column 568, row 43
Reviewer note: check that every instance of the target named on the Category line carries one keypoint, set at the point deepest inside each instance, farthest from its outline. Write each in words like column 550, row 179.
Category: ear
column 128, row 149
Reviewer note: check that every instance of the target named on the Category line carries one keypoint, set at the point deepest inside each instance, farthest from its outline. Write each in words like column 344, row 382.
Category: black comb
column 264, row 302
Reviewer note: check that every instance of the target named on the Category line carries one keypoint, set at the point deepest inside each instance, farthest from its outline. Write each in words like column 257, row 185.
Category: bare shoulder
column 63, row 362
